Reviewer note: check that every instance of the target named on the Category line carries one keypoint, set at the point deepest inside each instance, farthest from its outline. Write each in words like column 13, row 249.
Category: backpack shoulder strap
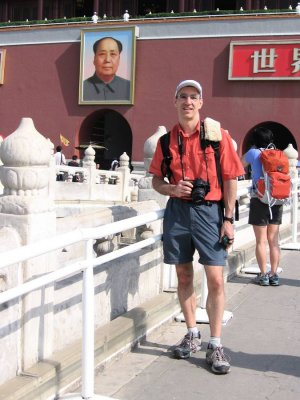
column 166, row 161
column 216, row 147
column 165, row 143
column 215, row 144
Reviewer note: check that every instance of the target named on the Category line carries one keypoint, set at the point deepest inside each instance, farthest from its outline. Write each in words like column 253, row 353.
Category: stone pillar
column 248, row 4
column 88, row 162
column 124, row 168
column 40, row 12
column 56, row 10
column 96, row 6
column 5, row 11
column 146, row 192
column 109, row 9
column 292, row 155
column 180, row 6
column 27, row 207
column 60, row 9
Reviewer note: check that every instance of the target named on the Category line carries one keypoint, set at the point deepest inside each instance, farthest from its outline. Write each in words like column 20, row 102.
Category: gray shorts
column 187, row 227
column 259, row 213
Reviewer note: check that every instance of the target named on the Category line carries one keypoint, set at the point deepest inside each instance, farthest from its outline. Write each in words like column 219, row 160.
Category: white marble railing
column 89, row 183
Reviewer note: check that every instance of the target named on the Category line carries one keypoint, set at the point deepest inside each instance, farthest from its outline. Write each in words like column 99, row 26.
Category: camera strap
column 180, row 149
column 167, row 158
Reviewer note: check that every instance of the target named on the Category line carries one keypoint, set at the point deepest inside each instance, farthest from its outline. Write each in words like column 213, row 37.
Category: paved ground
column 262, row 340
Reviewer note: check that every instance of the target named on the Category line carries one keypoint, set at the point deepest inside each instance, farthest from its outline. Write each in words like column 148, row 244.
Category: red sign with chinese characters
column 277, row 60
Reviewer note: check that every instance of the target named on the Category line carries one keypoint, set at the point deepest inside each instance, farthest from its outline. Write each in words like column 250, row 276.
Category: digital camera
column 225, row 241
column 200, row 190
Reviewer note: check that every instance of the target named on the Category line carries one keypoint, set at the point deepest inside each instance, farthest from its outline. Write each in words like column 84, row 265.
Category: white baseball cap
column 191, row 83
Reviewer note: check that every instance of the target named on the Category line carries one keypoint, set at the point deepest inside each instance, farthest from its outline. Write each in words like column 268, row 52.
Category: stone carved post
column 145, row 184
column 126, row 196
column 292, row 155
column 27, row 207
column 124, row 168
column 88, row 162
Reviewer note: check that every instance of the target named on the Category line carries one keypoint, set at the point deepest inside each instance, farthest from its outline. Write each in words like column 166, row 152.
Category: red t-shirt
column 195, row 165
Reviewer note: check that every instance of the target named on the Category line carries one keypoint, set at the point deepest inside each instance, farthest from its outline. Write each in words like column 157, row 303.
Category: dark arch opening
column 282, row 136
column 106, row 128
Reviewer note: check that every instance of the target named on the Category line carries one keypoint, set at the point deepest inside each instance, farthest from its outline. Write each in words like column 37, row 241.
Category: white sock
column 194, row 331
column 215, row 341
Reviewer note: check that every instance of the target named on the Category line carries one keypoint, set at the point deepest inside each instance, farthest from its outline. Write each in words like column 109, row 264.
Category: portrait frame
column 2, row 65
column 125, row 73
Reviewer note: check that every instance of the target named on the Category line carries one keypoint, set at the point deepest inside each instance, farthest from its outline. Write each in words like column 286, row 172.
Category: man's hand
column 228, row 230
column 183, row 189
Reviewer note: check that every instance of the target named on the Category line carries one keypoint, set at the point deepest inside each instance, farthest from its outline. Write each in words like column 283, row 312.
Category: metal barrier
column 294, row 245
column 86, row 266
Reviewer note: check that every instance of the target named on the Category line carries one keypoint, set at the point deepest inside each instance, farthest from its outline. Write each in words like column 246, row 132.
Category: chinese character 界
column 264, row 62
column 296, row 59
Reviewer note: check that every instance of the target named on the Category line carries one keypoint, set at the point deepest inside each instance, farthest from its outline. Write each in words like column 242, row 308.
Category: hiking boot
column 262, row 279
column 189, row 344
column 218, row 361
column 274, row 280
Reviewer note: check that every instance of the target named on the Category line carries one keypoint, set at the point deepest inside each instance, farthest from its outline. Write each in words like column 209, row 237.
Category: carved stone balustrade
column 26, row 157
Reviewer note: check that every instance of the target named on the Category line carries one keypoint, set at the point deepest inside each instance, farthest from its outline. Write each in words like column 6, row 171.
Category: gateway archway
column 282, row 136
column 106, row 128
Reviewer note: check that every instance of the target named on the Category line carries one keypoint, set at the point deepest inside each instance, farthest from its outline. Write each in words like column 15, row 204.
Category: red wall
column 41, row 82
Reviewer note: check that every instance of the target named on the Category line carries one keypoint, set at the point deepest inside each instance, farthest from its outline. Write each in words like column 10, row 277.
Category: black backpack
column 204, row 143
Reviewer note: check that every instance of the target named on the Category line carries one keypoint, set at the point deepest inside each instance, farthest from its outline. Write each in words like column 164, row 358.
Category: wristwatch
column 229, row 219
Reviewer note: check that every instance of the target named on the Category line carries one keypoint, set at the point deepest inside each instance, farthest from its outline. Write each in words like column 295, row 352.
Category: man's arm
column 182, row 189
column 230, row 194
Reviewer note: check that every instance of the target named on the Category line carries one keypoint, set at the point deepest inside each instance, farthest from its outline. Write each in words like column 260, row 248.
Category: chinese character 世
column 264, row 62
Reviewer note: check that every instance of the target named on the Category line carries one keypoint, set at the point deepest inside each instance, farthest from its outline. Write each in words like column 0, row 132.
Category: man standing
column 74, row 162
column 114, row 164
column 59, row 157
column 105, row 84
column 195, row 218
